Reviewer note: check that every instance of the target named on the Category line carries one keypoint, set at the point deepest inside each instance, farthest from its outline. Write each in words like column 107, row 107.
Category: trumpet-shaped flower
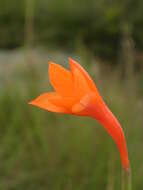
column 76, row 93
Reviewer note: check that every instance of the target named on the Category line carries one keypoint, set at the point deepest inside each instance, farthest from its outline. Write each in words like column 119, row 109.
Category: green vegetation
column 61, row 23
column 42, row 150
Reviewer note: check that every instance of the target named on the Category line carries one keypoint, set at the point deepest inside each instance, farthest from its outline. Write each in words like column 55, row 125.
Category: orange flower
column 75, row 93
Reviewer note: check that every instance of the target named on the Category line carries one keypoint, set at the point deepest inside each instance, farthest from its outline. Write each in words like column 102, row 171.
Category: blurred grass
column 42, row 150
column 60, row 23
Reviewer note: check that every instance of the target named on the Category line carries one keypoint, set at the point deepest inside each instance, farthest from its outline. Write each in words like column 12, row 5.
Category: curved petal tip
column 60, row 79
column 44, row 101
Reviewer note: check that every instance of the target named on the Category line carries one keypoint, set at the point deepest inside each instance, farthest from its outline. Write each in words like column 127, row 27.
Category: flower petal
column 66, row 102
column 84, row 74
column 81, row 86
column 61, row 79
column 82, row 107
column 46, row 101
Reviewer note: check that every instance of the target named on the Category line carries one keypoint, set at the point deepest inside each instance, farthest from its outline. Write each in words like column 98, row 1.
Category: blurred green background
column 42, row 150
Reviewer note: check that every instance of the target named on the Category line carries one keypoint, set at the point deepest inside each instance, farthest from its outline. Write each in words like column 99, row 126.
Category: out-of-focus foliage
column 40, row 150
column 62, row 22
column 11, row 23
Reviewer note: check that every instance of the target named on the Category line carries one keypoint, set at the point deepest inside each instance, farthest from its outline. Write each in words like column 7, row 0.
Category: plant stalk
column 126, row 179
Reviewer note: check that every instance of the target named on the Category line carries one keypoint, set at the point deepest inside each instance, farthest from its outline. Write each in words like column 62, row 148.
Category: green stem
column 126, row 179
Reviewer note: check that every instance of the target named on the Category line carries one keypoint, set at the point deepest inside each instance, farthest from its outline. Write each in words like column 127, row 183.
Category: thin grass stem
column 126, row 179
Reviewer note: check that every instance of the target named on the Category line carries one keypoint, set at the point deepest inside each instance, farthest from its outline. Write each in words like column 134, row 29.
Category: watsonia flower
column 76, row 93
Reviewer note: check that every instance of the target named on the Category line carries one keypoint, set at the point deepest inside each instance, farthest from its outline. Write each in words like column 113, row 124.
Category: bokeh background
column 41, row 150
